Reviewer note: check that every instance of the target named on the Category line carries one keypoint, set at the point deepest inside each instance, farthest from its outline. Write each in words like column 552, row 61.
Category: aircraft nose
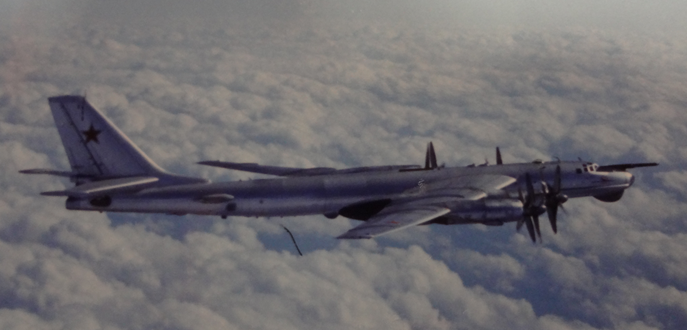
column 626, row 178
column 620, row 178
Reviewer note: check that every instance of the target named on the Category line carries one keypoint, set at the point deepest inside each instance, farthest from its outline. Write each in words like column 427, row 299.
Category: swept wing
column 394, row 218
column 427, row 202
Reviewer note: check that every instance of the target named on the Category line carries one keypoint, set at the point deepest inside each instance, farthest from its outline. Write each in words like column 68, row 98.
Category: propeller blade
column 529, row 216
column 530, row 228
column 554, row 199
column 536, row 226
column 552, row 210
column 499, row 160
column 520, row 221
column 530, row 189
column 557, row 181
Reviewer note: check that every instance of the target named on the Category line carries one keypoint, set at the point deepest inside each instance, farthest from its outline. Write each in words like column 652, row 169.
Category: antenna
column 293, row 239
column 82, row 105
column 430, row 157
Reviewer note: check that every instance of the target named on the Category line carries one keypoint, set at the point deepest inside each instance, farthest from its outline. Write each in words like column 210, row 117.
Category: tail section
column 97, row 150
column 94, row 146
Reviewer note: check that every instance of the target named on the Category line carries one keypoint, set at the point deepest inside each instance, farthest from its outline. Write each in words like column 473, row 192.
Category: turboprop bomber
column 111, row 174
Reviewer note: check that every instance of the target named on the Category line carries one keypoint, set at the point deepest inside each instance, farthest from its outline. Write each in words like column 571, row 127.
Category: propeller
column 530, row 211
column 554, row 199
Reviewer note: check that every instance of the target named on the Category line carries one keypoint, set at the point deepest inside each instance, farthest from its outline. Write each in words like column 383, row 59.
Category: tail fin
column 96, row 148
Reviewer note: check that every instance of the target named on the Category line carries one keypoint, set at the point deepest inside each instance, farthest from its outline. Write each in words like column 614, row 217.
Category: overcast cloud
column 344, row 84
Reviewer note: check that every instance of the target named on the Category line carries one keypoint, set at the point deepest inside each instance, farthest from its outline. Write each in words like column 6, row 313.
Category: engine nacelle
column 487, row 211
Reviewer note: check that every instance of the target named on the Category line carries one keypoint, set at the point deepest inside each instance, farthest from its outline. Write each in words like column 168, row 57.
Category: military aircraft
column 111, row 174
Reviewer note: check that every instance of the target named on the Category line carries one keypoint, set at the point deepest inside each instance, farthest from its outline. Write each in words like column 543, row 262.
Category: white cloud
column 344, row 95
column 676, row 180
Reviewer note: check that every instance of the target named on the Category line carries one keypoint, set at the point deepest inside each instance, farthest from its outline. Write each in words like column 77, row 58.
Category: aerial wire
column 293, row 239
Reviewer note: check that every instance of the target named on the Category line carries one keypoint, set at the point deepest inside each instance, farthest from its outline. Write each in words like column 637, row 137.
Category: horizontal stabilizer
column 51, row 172
column 104, row 187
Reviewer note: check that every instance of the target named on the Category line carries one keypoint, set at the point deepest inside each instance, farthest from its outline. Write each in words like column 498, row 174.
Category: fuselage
column 330, row 194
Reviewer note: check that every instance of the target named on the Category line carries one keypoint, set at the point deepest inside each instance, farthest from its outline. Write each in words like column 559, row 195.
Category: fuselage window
column 578, row 170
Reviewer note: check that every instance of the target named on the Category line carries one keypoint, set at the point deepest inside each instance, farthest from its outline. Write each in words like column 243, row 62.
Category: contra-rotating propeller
column 532, row 207
column 530, row 211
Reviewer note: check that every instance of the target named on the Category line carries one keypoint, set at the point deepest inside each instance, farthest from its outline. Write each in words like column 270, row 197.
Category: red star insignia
column 91, row 134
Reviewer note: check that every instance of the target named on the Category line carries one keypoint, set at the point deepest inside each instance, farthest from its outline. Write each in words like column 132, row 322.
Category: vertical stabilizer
column 95, row 147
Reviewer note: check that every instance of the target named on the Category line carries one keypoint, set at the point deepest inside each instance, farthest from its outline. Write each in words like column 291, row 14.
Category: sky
column 345, row 84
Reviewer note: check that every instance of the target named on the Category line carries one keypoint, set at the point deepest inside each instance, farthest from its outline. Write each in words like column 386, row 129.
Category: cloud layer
column 344, row 95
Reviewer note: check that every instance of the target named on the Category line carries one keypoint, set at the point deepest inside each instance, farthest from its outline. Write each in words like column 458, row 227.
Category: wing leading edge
column 425, row 203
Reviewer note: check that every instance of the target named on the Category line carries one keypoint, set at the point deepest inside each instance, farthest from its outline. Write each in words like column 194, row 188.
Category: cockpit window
column 590, row 167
